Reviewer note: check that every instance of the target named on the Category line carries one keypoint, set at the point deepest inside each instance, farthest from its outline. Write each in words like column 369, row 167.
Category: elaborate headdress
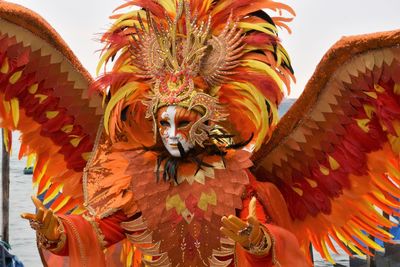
column 222, row 58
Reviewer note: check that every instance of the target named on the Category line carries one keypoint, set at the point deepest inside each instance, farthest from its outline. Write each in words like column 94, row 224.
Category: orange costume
column 172, row 223
column 179, row 225
column 174, row 155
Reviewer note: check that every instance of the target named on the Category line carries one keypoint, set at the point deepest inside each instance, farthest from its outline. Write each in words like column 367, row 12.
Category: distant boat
column 28, row 170
column 30, row 164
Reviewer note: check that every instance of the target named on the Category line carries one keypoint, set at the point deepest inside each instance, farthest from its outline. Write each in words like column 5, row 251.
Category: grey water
column 22, row 237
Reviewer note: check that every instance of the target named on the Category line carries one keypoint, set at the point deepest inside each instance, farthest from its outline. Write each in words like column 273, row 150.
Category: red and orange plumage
column 43, row 84
column 334, row 156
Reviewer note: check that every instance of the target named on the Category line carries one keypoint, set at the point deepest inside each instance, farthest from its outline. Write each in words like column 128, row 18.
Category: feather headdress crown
column 220, row 56
column 173, row 57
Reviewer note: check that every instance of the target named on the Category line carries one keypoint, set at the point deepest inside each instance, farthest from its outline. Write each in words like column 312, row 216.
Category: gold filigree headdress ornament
column 222, row 58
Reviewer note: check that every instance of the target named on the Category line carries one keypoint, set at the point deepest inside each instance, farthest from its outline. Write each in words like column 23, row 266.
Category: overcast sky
column 317, row 26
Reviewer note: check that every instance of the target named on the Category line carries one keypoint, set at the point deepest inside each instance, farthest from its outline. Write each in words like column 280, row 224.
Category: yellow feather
column 33, row 88
column 103, row 59
column 41, row 173
column 62, row 204
column 369, row 110
column 79, row 210
column 129, row 15
column 67, row 128
column 282, row 50
column 5, row 67
column 123, row 92
column 126, row 23
column 367, row 221
column 326, row 252
column 169, row 6
column 52, row 195
column 51, row 114
column 129, row 259
column 312, row 183
column 7, row 106
column 254, row 101
column 381, row 198
column 15, row 77
column 31, row 160
column 15, row 110
column 333, row 163
column 262, row 27
column 363, row 124
column 349, row 244
column 371, row 94
column 274, row 111
column 41, row 97
column 75, row 141
column 47, row 185
column 365, row 239
column 324, row 170
column 278, row 58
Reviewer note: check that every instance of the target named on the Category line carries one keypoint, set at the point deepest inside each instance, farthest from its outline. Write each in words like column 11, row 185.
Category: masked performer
column 191, row 169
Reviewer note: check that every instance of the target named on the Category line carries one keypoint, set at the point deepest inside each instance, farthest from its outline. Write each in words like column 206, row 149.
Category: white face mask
column 174, row 125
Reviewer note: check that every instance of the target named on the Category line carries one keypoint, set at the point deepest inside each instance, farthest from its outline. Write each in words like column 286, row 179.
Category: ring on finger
column 35, row 225
column 246, row 231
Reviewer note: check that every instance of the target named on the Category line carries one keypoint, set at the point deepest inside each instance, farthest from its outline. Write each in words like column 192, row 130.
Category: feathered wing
column 335, row 155
column 44, row 95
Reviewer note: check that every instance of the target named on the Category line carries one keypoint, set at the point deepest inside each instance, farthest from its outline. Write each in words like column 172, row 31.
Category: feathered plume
column 233, row 46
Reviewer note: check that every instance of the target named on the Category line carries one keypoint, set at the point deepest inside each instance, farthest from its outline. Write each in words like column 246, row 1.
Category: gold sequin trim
column 76, row 235
column 275, row 261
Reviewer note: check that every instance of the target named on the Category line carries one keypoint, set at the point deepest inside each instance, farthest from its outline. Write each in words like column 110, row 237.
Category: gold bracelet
column 264, row 245
column 52, row 245
column 44, row 242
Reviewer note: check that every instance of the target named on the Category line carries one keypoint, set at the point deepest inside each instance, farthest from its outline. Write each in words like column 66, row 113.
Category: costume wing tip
column 36, row 24
column 44, row 94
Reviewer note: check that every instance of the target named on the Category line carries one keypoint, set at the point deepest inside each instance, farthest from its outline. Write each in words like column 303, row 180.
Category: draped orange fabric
column 82, row 249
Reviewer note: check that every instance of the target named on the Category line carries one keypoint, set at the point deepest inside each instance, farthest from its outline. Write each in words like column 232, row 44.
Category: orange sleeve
column 84, row 240
column 82, row 247
column 110, row 228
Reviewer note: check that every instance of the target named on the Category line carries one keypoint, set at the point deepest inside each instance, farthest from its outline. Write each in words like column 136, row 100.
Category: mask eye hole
column 164, row 123
column 183, row 123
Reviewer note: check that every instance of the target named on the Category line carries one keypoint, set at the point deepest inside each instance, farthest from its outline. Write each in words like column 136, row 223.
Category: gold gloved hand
column 249, row 234
column 46, row 224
